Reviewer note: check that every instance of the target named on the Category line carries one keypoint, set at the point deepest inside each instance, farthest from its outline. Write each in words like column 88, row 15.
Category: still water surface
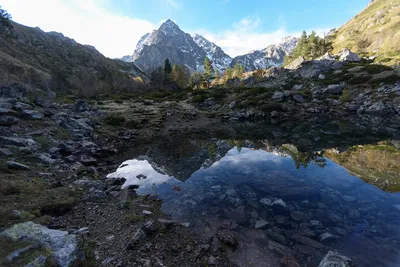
column 275, row 205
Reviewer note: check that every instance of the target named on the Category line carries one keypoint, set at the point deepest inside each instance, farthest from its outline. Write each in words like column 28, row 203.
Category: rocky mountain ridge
column 272, row 56
column 169, row 41
column 53, row 61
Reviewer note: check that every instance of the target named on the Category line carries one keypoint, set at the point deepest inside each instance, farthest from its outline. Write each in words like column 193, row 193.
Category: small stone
column 147, row 212
column 17, row 166
column 216, row 188
column 32, row 114
column 254, row 214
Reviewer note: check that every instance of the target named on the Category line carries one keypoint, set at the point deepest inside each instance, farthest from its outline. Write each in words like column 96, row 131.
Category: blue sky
column 238, row 26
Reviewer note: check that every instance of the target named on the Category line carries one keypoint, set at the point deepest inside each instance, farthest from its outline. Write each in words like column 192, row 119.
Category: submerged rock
column 335, row 259
column 63, row 247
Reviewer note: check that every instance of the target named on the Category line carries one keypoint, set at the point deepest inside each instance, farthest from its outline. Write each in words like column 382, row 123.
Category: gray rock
column 261, row 224
column 147, row 212
column 335, row 259
column 63, row 247
column 298, row 87
column 278, row 96
column 296, row 63
column 347, row 55
column 17, row 166
column 81, row 106
column 379, row 108
column 232, row 105
column 46, row 158
column 321, row 77
column 32, row 114
column 333, row 89
column 327, row 56
column 8, row 120
column 279, row 205
column 298, row 98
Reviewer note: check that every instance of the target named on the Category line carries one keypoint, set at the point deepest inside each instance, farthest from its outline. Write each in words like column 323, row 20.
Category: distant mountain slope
column 220, row 60
column 375, row 31
column 272, row 56
column 169, row 41
column 50, row 60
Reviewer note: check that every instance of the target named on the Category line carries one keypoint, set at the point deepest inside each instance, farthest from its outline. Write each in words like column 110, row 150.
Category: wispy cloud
column 174, row 3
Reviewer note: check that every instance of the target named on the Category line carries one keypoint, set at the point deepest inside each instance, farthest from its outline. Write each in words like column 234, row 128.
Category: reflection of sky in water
column 130, row 169
column 256, row 174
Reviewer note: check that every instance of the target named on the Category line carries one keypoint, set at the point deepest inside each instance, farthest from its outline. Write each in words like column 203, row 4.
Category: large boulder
column 14, row 90
column 327, row 56
column 62, row 246
column 296, row 63
column 347, row 55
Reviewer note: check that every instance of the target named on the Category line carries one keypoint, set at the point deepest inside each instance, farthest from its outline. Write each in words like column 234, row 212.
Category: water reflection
column 301, row 202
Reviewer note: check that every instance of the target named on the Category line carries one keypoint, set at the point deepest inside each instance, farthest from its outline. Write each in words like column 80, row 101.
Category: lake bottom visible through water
column 275, row 207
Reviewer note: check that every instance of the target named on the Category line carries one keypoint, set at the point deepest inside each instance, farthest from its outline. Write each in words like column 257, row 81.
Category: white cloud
column 84, row 21
column 245, row 36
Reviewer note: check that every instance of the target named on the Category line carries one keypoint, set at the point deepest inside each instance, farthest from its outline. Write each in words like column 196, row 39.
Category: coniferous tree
column 167, row 71
column 157, row 76
column 5, row 21
column 208, row 71
column 238, row 70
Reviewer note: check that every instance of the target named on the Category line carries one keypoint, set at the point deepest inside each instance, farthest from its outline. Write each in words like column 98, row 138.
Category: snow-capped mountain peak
column 219, row 59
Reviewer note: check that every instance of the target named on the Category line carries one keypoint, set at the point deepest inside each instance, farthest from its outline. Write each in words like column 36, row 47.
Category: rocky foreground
column 58, row 208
